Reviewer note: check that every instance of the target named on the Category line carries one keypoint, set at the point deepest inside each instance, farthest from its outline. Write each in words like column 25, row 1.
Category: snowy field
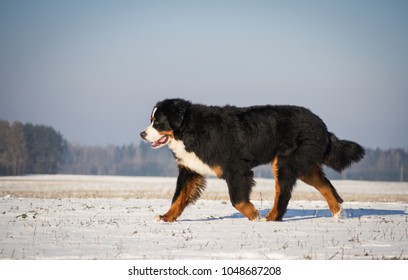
column 95, row 217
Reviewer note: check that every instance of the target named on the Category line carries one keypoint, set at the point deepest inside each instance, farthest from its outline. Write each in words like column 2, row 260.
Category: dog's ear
column 179, row 110
column 175, row 110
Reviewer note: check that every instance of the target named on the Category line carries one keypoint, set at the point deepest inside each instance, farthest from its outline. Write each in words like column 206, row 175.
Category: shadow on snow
column 307, row 214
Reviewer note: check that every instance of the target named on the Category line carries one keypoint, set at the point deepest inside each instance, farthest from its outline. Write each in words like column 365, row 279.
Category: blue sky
column 94, row 69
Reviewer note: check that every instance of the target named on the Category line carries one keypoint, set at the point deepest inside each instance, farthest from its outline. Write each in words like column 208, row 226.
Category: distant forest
column 39, row 149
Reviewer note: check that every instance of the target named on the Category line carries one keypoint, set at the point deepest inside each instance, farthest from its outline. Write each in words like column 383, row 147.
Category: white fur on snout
column 152, row 135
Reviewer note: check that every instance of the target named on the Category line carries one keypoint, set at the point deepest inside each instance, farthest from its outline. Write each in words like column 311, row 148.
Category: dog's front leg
column 239, row 187
column 188, row 189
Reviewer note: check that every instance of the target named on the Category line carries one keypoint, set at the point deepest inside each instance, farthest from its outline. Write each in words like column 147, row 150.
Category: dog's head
column 167, row 117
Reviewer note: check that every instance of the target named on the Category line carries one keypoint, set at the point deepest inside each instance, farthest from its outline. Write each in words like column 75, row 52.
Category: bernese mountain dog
column 228, row 142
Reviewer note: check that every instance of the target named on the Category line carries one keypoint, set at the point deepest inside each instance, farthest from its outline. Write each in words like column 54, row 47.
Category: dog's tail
column 342, row 153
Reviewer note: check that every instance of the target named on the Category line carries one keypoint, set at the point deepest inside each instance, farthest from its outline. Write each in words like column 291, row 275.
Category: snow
column 94, row 217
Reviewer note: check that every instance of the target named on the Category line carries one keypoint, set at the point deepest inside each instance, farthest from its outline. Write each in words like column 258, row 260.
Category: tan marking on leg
column 175, row 210
column 247, row 209
column 190, row 193
column 273, row 214
column 317, row 179
column 195, row 187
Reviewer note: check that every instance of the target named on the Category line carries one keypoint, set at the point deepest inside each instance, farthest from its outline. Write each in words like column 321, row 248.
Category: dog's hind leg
column 189, row 187
column 317, row 179
column 239, row 187
column 284, row 183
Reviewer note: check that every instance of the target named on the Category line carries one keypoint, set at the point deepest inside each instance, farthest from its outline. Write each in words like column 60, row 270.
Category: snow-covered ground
column 93, row 217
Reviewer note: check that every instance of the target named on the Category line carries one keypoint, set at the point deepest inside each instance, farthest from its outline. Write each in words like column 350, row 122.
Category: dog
column 228, row 142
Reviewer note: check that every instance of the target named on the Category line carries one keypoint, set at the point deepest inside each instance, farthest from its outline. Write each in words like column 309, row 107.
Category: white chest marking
column 189, row 159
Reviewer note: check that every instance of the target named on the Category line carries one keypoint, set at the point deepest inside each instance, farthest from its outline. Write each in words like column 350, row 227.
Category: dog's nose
column 143, row 134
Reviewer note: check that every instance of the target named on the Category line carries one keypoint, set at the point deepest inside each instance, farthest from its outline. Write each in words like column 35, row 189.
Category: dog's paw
column 267, row 220
column 158, row 218
column 163, row 218
column 256, row 219
column 341, row 214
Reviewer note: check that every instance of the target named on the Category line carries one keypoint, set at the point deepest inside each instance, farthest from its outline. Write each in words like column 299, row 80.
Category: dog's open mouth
column 160, row 142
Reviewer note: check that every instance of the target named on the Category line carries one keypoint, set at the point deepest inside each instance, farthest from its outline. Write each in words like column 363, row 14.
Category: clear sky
column 94, row 69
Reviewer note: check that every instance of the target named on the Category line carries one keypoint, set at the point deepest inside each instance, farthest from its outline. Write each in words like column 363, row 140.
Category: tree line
column 125, row 160
column 39, row 149
column 29, row 149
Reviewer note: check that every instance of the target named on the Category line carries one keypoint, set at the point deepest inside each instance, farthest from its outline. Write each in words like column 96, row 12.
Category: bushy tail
column 342, row 153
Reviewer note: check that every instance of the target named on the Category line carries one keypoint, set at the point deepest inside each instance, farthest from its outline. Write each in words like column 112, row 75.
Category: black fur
column 342, row 153
column 238, row 139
